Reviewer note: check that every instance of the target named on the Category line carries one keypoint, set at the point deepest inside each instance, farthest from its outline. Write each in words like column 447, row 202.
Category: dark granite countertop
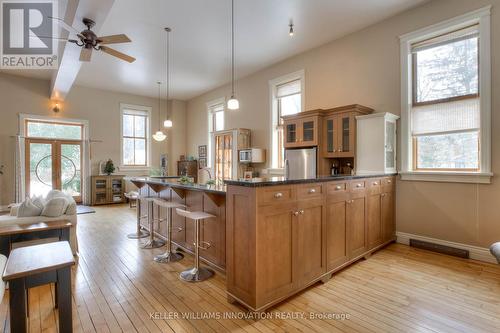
column 258, row 182
column 173, row 181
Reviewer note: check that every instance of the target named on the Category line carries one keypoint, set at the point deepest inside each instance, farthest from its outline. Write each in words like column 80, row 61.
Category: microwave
column 252, row 155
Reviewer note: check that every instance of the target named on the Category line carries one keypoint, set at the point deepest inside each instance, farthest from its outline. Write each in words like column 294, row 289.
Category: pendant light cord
column 159, row 105
column 232, row 48
column 168, row 67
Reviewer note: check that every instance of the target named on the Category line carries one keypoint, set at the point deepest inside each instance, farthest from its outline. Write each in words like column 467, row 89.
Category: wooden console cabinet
column 107, row 189
column 281, row 239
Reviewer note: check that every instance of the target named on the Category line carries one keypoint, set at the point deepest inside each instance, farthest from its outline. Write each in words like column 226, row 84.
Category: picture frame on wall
column 202, row 162
column 202, row 151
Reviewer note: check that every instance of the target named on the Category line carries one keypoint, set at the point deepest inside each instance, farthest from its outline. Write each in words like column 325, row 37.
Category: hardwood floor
column 117, row 287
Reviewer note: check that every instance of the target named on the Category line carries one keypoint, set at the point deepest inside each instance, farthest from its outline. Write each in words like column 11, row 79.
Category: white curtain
column 20, row 172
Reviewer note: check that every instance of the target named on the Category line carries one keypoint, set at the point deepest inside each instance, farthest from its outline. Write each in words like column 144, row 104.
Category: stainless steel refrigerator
column 300, row 163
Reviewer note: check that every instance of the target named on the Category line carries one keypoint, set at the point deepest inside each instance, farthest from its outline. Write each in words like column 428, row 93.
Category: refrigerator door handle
column 287, row 169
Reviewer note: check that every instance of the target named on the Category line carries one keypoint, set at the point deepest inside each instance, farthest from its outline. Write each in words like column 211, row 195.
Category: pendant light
column 290, row 31
column 159, row 136
column 232, row 103
column 168, row 123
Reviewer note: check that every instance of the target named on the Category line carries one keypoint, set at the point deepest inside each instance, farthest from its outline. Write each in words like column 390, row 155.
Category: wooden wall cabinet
column 107, row 189
column 281, row 239
column 301, row 131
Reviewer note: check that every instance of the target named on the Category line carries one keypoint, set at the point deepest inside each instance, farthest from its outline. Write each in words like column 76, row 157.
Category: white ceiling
column 200, row 39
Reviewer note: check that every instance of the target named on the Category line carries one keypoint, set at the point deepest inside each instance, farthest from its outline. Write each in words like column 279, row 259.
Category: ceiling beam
column 69, row 55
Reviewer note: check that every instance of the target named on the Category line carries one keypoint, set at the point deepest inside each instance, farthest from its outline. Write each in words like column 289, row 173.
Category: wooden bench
column 36, row 261
column 11, row 234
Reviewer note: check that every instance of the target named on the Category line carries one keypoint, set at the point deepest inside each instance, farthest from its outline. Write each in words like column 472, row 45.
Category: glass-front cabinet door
column 345, row 135
column 308, row 132
column 290, row 133
column 330, row 128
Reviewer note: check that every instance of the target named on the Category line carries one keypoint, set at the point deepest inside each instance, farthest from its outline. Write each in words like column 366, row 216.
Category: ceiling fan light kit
column 89, row 41
column 232, row 103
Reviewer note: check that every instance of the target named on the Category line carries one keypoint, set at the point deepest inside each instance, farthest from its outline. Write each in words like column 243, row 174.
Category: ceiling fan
column 89, row 41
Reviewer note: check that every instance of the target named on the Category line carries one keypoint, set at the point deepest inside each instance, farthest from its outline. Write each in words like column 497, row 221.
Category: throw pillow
column 27, row 208
column 54, row 207
column 39, row 202
column 71, row 210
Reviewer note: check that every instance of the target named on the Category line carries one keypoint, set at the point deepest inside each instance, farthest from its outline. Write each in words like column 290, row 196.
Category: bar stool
column 169, row 255
column 140, row 233
column 196, row 273
column 152, row 243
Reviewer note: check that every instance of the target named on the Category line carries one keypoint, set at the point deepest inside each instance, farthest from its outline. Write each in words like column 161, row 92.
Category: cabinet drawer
column 337, row 187
column 358, row 185
column 275, row 194
column 373, row 185
column 309, row 191
column 388, row 184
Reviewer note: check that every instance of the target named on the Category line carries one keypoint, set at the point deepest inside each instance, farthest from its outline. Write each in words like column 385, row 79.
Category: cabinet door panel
column 336, row 253
column 309, row 240
column 356, row 227
column 275, row 266
column 388, row 220
column 373, row 220
column 345, row 135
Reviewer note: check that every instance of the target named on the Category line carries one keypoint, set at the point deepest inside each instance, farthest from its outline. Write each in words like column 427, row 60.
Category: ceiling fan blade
column 113, row 39
column 85, row 54
column 117, row 54
column 64, row 25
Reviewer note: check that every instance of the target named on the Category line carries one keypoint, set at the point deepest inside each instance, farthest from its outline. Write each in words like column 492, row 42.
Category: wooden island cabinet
column 283, row 237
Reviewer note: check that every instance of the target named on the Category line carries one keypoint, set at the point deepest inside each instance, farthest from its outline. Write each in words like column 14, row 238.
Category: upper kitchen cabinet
column 376, row 137
column 339, row 130
column 302, row 130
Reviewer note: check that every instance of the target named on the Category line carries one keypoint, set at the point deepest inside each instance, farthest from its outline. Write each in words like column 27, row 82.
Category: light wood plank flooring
column 117, row 287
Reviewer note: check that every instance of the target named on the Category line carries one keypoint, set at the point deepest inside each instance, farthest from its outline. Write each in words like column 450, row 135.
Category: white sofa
column 12, row 219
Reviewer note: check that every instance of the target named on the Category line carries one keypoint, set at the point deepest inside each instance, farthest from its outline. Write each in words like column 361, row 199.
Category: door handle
column 312, row 191
column 301, row 212
column 295, row 213
column 278, row 195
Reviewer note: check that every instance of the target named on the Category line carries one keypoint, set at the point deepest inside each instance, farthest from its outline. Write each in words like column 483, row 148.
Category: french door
column 53, row 164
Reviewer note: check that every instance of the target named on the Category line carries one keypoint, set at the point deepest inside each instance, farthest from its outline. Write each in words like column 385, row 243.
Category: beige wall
column 364, row 68
column 100, row 108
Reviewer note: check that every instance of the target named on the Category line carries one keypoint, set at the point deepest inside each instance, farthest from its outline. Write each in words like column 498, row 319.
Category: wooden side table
column 33, row 262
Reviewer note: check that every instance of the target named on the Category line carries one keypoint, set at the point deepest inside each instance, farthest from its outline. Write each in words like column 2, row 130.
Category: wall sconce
column 56, row 108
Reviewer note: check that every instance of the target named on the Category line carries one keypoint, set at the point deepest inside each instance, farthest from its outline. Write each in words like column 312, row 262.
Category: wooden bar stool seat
column 152, row 242
column 169, row 255
column 196, row 273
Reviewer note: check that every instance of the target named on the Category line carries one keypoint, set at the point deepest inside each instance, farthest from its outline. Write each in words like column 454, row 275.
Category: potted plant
column 109, row 168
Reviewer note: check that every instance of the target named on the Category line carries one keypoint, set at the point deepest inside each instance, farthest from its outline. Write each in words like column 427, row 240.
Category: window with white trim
column 286, row 99
column 445, row 100
column 215, row 123
column 135, row 122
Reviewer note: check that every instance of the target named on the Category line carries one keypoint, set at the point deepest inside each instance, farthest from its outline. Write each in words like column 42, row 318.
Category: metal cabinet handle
column 359, row 185
column 375, row 183
column 349, row 201
column 301, row 212
column 278, row 195
column 179, row 229
column 334, row 150
column 389, row 181
column 312, row 191
column 340, row 150
column 338, row 188
column 206, row 247
column 295, row 213
column 382, row 195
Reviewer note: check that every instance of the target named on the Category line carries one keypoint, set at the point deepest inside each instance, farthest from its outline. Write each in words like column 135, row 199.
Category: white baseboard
column 475, row 252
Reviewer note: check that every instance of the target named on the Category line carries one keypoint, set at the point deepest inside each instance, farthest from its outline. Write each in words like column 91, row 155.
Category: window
column 215, row 123
column 286, row 99
column 445, row 117
column 135, row 131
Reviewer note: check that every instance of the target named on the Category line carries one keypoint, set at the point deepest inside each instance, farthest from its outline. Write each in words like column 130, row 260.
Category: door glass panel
column 389, row 144
column 291, row 132
column 39, row 129
column 308, row 130
column 40, row 168
column 71, row 173
column 329, row 135
column 345, row 134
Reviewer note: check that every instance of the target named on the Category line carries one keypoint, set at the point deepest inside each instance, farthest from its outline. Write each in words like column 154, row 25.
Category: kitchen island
column 285, row 235
column 210, row 199
column 275, row 237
